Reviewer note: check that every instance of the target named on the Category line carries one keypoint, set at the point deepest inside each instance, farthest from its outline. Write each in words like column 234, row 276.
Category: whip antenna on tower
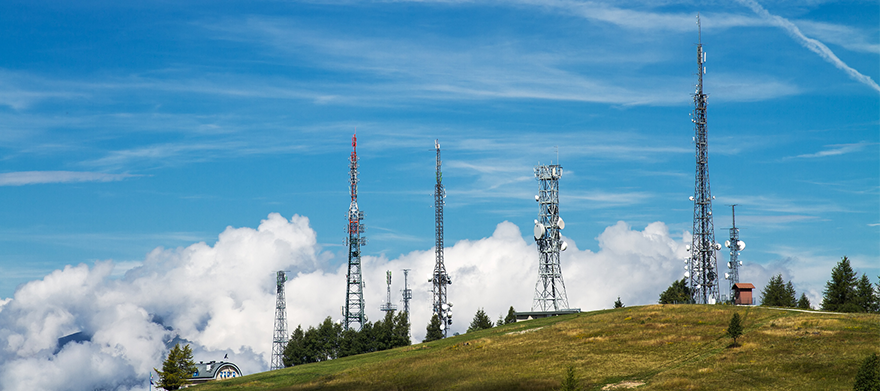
column 550, row 289
column 702, row 265
column 442, row 308
column 388, row 306
column 279, row 339
column 735, row 245
column 353, row 312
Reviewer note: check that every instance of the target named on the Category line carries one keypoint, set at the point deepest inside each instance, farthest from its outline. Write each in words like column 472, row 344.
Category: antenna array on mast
column 442, row 308
column 550, row 289
column 353, row 312
column 279, row 339
column 735, row 245
column 702, row 265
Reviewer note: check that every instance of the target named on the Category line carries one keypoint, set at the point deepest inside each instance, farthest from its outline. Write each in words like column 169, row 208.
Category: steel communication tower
column 702, row 264
column 353, row 312
column 279, row 340
column 735, row 245
column 407, row 293
column 388, row 306
column 550, row 289
column 440, row 279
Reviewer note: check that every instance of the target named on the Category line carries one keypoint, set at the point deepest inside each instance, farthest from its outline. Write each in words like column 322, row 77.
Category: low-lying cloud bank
column 220, row 298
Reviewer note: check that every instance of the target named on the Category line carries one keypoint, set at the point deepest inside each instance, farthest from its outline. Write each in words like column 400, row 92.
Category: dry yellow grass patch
column 624, row 384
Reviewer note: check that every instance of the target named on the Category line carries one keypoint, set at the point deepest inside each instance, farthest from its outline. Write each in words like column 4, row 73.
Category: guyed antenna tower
column 388, row 306
column 550, row 289
column 702, row 265
column 353, row 312
column 442, row 308
column 279, row 339
column 735, row 245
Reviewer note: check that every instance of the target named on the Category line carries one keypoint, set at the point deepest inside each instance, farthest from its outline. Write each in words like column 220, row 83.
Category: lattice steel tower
column 407, row 293
column 550, row 289
column 702, row 264
column 735, row 245
column 353, row 312
column 279, row 339
column 440, row 279
column 388, row 306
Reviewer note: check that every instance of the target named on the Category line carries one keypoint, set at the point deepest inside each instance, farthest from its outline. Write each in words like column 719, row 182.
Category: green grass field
column 657, row 347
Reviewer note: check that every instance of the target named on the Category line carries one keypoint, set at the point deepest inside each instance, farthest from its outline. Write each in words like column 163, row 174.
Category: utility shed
column 214, row 370
column 742, row 293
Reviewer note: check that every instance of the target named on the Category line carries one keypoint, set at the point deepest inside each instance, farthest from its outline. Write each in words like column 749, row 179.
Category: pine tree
column 618, row 303
column 840, row 290
column 868, row 377
column 481, row 321
column 804, row 302
column 865, row 296
column 735, row 328
column 434, row 332
column 511, row 316
column 177, row 368
column 677, row 293
column 570, row 383
column 778, row 294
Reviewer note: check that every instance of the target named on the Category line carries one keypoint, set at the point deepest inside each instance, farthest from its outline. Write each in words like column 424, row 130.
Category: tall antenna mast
column 735, row 245
column 354, row 291
column 702, row 264
column 550, row 289
column 407, row 293
column 442, row 308
column 388, row 306
column 279, row 339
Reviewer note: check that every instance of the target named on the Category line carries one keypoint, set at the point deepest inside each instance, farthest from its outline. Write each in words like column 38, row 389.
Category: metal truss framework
column 702, row 265
column 353, row 312
column 279, row 339
column 550, row 289
column 442, row 308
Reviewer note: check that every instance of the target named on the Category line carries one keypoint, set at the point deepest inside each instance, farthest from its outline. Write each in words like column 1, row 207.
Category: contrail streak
column 809, row 43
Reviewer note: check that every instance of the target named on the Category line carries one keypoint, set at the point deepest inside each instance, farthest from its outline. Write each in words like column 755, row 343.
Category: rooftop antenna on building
column 702, row 265
column 353, row 312
column 407, row 293
column 388, row 306
column 279, row 339
column 442, row 307
column 550, row 289
column 735, row 245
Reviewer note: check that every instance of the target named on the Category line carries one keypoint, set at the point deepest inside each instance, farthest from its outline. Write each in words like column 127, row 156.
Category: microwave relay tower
column 388, row 306
column 440, row 280
column 279, row 339
column 735, row 245
column 702, row 265
column 353, row 312
column 550, row 289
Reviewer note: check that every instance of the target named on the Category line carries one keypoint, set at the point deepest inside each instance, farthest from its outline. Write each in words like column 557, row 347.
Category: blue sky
column 128, row 127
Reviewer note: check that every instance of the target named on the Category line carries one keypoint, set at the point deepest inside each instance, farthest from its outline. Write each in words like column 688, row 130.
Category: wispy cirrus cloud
column 812, row 44
column 22, row 178
column 835, row 150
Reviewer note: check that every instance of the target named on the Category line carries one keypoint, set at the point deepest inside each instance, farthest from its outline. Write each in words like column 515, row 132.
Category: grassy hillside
column 666, row 347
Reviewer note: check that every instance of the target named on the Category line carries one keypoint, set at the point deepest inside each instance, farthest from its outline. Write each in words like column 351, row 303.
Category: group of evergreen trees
column 330, row 341
column 847, row 293
column 779, row 294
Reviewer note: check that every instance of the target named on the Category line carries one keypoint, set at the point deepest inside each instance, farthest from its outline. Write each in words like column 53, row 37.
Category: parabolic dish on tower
column 539, row 231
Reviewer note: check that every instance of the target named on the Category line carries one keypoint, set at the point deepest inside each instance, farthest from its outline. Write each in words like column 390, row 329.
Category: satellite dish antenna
column 685, row 267
column 560, row 223
column 691, row 198
column 537, row 198
column 727, row 243
column 687, row 247
column 718, row 246
column 687, row 274
column 539, row 231
column 442, row 326
column 563, row 246
column 740, row 245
